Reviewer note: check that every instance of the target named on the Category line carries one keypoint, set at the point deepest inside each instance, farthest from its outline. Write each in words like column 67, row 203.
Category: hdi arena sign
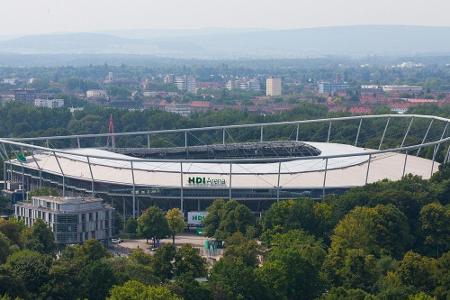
column 206, row 181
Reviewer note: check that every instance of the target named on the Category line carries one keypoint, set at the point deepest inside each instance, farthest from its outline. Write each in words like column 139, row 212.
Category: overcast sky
column 46, row 16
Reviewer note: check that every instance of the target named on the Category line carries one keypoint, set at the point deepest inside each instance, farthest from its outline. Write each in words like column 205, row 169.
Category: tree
column 97, row 280
column 12, row 229
column 238, row 246
column 416, row 272
column 231, row 278
column 4, row 248
column 342, row 293
column 442, row 290
column 190, row 289
column 188, row 261
column 135, row 290
column 175, row 219
column 131, row 226
column 152, row 224
column 40, row 238
column 379, row 230
column 30, row 267
column 435, row 220
column 226, row 218
column 162, row 262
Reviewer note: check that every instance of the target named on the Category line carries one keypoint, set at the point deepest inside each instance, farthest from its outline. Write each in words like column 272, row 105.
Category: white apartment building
column 96, row 94
column 402, row 88
column 186, row 83
column 273, row 86
column 49, row 103
column 72, row 219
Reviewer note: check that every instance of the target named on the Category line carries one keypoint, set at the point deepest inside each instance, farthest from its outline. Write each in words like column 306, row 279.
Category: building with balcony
column 73, row 220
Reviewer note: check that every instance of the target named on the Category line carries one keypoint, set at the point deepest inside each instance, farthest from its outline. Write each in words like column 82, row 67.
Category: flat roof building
column 273, row 86
column 72, row 219
column 49, row 103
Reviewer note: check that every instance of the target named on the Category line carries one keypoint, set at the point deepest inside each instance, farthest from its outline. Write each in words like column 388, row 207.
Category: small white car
column 116, row 241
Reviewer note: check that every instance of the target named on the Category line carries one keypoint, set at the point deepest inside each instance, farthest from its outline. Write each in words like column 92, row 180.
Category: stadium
column 257, row 164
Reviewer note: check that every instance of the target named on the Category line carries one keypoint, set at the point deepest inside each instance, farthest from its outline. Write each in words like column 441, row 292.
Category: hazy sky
column 45, row 16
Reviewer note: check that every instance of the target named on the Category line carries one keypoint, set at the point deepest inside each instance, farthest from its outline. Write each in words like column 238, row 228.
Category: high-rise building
column 273, row 86
column 49, row 103
column 330, row 88
column 169, row 79
column 186, row 83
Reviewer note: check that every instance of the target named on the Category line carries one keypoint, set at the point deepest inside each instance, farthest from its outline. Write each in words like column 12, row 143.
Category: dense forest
column 388, row 240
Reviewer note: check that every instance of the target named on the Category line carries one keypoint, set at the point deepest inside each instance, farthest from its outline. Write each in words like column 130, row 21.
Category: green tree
column 188, row 288
column 4, row 248
column 98, row 278
column 239, row 246
column 131, row 226
column 175, row 220
column 435, row 220
column 226, row 218
column 442, row 290
column 135, row 290
column 231, row 278
column 30, row 267
column 40, row 238
column 188, row 261
column 341, row 293
column 152, row 224
column 13, row 230
column 162, row 262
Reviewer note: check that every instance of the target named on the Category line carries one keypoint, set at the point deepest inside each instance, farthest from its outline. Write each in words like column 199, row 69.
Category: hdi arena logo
column 206, row 181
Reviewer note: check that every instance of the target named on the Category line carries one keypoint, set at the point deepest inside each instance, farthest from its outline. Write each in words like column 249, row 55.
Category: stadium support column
column 134, row 190
column 4, row 174
column 148, row 141
column 229, row 179
column 446, row 158
column 368, row 168
column 181, row 188
column 224, row 132
column 278, row 181
column 78, row 142
column 92, row 176
column 404, row 163
column 359, row 130
column 407, row 132
column 325, row 178
column 39, row 167
column 62, row 173
column 329, row 132
column 436, row 148
column 296, row 134
column 384, row 132
column 261, row 138
column 425, row 137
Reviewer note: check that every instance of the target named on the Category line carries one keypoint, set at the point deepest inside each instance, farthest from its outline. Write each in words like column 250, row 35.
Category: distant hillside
column 248, row 43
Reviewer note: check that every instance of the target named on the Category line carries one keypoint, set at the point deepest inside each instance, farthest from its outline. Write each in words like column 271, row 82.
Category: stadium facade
column 267, row 163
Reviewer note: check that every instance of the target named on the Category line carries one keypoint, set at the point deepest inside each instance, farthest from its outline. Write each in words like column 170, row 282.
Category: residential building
column 25, row 95
column 405, row 89
column 169, row 79
column 178, row 108
column 72, row 219
column 201, row 106
column 49, row 103
column 96, row 94
column 273, row 87
column 186, row 83
column 330, row 88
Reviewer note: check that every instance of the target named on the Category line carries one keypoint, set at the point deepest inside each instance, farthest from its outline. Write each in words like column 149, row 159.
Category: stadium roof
column 300, row 173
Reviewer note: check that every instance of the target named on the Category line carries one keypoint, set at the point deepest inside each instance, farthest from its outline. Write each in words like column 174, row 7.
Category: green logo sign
column 206, row 181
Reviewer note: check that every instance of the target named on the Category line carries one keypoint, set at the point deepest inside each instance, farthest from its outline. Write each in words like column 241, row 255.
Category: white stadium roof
column 301, row 173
